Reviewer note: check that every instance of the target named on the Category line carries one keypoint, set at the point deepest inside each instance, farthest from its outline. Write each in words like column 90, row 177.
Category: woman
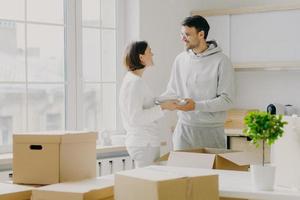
column 138, row 111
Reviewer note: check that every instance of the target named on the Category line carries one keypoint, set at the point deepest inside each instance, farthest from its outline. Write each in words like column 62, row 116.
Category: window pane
column 46, row 110
column 12, row 9
column 45, row 53
column 12, row 111
column 109, row 106
column 91, row 12
column 92, row 107
column 109, row 55
column 12, row 56
column 108, row 13
column 91, row 54
column 45, row 11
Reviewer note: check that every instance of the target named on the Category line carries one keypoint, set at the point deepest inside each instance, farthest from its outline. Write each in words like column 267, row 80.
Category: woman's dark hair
column 132, row 55
column 198, row 22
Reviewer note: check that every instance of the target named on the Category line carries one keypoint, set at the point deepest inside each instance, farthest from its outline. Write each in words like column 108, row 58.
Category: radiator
column 104, row 167
column 115, row 164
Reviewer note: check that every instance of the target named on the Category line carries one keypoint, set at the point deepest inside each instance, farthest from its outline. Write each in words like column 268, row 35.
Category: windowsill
column 5, row 158
column 110, row 149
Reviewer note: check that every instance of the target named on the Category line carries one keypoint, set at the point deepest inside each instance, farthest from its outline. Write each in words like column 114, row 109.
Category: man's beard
column 189, row 47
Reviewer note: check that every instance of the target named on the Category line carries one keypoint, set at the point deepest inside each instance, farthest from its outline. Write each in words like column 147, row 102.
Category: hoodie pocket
column 201, row 87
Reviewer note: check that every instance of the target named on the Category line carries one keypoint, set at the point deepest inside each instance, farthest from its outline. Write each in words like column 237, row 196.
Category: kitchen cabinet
column 258, row 37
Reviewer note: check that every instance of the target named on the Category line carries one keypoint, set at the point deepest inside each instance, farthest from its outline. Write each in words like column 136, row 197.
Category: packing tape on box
column 189, row 185
column 189, row 189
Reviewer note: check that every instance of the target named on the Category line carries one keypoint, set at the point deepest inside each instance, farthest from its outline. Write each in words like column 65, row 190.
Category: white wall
column 159, row 24
column 259, row 88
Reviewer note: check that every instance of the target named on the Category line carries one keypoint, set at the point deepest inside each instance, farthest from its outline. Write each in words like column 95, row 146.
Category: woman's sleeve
column 137, row 114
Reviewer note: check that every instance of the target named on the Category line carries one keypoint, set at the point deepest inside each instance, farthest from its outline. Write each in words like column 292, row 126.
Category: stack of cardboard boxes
column 67, row 160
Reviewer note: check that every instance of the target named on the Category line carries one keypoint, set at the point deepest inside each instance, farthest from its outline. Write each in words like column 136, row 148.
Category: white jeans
column 143, row 156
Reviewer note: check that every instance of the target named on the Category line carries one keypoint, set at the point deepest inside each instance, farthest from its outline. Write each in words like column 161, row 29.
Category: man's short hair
column 198, row 22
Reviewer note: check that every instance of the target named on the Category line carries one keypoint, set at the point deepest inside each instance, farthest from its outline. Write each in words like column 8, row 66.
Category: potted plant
column 265, row 128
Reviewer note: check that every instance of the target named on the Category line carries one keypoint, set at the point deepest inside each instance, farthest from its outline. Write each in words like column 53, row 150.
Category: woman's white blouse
column 138, row 111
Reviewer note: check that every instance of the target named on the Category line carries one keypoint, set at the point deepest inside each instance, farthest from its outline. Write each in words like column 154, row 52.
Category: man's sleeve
column 225, row 92
column 171, row 90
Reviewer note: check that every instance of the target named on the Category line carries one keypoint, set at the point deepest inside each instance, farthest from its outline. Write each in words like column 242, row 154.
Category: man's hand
column 189, row 106
column 169, row 105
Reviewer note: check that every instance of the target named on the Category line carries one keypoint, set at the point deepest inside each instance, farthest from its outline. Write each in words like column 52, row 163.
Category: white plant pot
column 263, row 177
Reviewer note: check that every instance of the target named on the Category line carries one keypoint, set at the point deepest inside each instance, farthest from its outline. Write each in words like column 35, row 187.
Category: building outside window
column 47, row 70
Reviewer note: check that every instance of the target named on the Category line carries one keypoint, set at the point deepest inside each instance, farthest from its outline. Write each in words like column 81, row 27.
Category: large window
column 99, row 63
column 41, row 73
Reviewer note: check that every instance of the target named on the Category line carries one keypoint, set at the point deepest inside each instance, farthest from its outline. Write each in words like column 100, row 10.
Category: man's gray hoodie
column 208, row 79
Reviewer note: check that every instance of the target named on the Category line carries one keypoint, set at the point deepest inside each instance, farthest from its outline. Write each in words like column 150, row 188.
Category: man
column 204, row 76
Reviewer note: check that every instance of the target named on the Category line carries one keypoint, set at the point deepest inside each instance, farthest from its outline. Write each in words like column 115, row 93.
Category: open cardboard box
column 210, row 158
column 158, row 183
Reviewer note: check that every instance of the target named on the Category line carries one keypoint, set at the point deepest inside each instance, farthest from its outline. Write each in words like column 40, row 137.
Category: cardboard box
column 235, row 118
column 90, row 189
column 158, row 183
column 14, row 192
column 210, row 158
column 52, row 157
column 192, row 171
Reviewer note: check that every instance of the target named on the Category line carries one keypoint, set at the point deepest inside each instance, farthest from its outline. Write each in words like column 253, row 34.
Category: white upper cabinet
column 271, row 36
column 266, row 38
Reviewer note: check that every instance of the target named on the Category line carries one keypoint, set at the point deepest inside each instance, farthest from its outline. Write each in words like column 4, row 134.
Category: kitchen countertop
column 234, row 132
column 235, row 184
